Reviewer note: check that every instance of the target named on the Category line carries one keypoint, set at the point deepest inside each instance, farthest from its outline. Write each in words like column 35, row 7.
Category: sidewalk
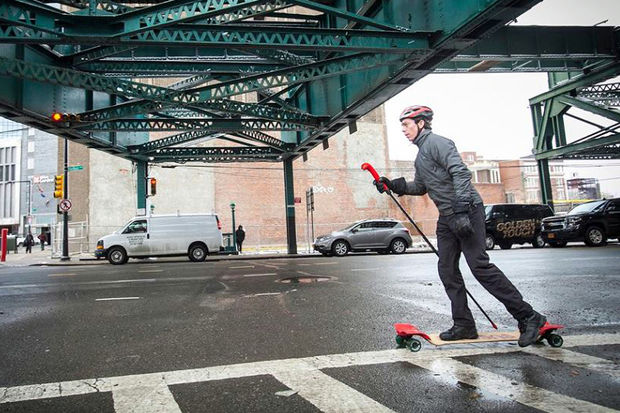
column 40, row 258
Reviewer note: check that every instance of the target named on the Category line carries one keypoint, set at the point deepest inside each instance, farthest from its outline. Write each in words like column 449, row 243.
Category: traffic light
column 153, row 182
column 59, row 186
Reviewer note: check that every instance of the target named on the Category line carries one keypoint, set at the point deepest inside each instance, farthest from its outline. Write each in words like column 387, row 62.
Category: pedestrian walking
column 240, row 237
column 441, row 173
column 28, row 243
column 42, row 239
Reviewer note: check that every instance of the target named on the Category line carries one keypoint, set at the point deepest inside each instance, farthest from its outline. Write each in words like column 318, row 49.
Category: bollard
column 5, row 232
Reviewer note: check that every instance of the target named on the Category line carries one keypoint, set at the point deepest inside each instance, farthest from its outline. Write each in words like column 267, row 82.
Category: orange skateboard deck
column 407, row 336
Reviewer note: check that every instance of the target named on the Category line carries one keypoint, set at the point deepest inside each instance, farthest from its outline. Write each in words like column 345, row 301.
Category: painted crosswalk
column 307, row 378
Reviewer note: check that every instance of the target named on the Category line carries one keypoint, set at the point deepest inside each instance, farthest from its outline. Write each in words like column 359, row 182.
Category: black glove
column 398, row 185
column 462, row 224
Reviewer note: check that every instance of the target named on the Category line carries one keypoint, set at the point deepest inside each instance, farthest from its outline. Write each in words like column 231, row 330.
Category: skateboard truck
column 408, row 335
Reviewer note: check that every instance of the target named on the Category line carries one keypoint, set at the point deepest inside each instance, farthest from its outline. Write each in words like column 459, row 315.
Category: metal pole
column 65, row 215
column 234, row 233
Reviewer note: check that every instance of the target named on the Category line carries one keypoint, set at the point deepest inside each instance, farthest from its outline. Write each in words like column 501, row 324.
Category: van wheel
column 595, row 237
column 490, row 242
column 340, row 248
column 505, row 245
column 117, row 256
column 197, row 253
column 538, row 241
column 398, row 246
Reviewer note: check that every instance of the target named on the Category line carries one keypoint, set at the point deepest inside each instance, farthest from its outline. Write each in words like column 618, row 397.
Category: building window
column 31, row 146
column 8, row 159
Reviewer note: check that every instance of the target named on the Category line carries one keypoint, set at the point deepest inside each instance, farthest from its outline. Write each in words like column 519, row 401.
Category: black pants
column 239, row 245
column 450, row 246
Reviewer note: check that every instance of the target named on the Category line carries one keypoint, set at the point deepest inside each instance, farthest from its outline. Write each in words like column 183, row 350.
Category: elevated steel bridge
column 273, row 78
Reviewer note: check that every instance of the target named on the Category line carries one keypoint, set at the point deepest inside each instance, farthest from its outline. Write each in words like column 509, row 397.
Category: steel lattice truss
column 271, row 78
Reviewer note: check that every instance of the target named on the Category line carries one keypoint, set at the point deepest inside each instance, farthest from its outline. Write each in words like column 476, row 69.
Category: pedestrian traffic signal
column 153, row 186
column 59, row 186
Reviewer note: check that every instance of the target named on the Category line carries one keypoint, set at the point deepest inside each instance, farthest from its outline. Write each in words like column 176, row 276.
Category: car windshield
column 589, row 207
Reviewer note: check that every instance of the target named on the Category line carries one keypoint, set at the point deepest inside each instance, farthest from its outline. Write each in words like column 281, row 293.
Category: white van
column 194, row 235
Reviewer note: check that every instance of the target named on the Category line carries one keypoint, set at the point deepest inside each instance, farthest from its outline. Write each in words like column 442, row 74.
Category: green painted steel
column 549, row 109
column 253, row 66
column 141, row 176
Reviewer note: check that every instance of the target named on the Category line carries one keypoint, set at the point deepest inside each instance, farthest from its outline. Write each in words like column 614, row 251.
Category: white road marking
column 577, row 359
column 138, row 280
column 327, row 263
column 242, row 266
column 281, row 367
column 62, row 275
column 117, row 298
column 150, row 270
column 526, row 394
column 145, row 396
column 327, row 393
column 260, row 295
column 364, row 269
column 260, row 275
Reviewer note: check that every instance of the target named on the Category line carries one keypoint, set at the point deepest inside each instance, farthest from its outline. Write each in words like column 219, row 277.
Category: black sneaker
column 459, row 333
column 529, row 328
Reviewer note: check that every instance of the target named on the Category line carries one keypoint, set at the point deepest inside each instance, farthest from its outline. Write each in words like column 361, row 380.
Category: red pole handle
column 368, row 167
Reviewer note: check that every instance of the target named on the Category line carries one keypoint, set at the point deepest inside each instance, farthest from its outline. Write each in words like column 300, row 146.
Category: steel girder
column 537, row 49
column 311, row 75
column 220, row 154
column 550, row 108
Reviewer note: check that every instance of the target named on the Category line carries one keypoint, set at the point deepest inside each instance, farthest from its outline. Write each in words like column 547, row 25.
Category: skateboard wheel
column 555, row 340
column 400, row 341
column 414, row 345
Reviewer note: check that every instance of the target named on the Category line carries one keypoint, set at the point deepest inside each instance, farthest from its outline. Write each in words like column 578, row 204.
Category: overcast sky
column 489, row 113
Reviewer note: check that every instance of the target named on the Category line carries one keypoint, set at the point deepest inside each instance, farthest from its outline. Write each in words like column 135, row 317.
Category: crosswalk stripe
column 146, row 396
column 577, row 359
column 275, row 367
column 327, row 393
column 526, row 394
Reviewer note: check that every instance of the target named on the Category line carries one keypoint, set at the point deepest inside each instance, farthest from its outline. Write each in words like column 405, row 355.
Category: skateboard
column 406, row 336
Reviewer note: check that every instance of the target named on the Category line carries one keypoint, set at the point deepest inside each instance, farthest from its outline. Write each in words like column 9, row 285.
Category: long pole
column 65, row 215
column 375, row 175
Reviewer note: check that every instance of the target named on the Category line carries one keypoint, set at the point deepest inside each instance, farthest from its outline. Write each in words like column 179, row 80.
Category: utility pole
column 65, row 214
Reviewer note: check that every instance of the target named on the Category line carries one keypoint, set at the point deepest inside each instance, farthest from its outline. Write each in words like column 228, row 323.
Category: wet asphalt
column 77, row 322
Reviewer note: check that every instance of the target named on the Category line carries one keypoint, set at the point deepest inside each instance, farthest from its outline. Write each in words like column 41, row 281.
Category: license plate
column 551, row 235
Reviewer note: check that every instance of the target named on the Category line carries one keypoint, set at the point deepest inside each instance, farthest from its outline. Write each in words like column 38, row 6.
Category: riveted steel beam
column 67, row 77
column 346, row 15
column 302, row 74
column 194, row 135
column 219, row 154
column 241, row 37
column 179, row 11
column 178, row 124
column 127, row 109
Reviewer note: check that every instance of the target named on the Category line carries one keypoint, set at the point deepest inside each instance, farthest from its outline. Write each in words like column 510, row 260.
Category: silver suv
column 381, row 235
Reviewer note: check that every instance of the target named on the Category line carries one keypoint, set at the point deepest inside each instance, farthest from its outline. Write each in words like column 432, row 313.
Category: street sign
column 75, row 168
column 64, row 205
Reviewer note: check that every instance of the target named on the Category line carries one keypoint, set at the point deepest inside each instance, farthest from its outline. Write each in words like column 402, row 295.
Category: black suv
column 508, row 224
column 593, row 223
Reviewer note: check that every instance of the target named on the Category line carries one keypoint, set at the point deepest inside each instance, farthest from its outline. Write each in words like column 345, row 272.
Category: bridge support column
column 141, row 175
column 289, row 201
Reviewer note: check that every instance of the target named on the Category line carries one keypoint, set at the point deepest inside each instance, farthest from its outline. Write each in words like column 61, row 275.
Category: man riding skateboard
column 440, row 172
